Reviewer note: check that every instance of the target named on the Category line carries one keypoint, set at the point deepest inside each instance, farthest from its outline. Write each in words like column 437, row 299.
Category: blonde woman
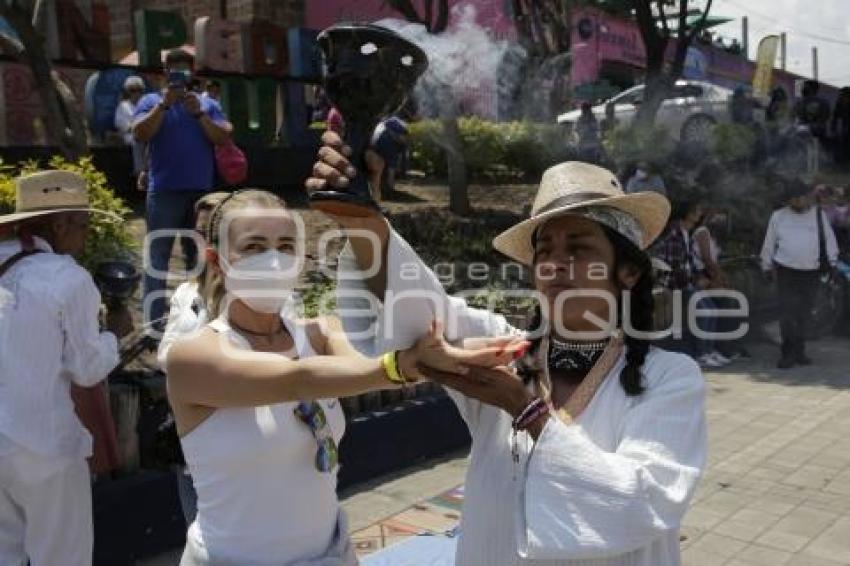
column 188, row 314
column 254, row 393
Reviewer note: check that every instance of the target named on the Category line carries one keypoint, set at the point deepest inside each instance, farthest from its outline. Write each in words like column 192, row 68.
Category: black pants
column 796, row 293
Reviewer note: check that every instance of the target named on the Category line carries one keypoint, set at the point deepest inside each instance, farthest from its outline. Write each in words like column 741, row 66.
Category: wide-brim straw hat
column 577, row 188
column 49, row 192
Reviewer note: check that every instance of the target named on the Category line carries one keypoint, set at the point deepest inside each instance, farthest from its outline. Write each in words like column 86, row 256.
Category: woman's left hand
column 434, row 352
column 499, row 386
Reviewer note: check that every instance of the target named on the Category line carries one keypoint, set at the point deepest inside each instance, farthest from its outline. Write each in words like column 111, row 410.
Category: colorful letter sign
column 218, row 45
column 156, row 31
column 265, row 49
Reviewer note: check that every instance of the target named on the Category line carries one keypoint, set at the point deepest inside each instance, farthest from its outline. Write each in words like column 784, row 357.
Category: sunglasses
column 312, row 414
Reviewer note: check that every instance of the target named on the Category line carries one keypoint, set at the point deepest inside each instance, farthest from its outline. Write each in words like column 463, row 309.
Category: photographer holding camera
column 181, row 129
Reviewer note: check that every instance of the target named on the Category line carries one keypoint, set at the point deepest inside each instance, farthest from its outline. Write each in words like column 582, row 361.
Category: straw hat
column 48, row 192
column 586, row 190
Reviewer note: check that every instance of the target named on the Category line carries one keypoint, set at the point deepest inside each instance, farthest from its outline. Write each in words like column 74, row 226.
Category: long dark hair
column 641, row 311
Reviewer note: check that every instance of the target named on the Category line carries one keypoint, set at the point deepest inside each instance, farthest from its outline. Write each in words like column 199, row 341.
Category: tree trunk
column 657, row 86
column 458, row 187
column 64, row 123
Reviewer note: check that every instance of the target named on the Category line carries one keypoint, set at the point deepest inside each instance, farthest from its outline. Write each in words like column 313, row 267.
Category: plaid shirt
column 674, row 249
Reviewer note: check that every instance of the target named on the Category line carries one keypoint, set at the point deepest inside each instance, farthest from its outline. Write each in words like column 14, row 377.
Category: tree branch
column 699, row 25
column 662, row 16
column 406, row 9
column 37, row 11
column 428, row 6
column 683, row 33
column 442, row 17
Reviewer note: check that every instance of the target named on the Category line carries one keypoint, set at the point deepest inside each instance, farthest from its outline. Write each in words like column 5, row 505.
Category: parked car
column 690, row 111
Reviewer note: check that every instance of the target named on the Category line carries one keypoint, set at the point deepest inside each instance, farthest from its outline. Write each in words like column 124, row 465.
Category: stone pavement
column 777, row 488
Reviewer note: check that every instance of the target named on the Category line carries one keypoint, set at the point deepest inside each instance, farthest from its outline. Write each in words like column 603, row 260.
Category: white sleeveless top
column 261, row 500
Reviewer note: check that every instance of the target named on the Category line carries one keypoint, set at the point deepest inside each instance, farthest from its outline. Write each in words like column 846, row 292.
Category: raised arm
column 208, row 370
column 215, row 126
column 386, row 295
column 150, row 114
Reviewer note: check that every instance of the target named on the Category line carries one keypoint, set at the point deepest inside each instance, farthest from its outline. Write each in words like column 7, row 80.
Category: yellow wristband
column 390, row 365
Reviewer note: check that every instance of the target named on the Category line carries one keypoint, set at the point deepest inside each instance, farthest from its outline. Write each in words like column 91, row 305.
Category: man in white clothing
column 799, row 246
column 588, row 451
column 134, row 88
column 50, row 338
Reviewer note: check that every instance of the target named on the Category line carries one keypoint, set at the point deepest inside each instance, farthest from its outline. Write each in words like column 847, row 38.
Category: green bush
column 107, row 238
column 733, row 142
column 626, row 144
column 491, row 149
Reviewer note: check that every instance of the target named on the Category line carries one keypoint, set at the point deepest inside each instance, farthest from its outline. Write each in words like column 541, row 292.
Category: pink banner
column 494, row 15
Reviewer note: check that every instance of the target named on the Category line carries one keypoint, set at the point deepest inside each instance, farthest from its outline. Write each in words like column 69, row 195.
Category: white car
column 689, row 112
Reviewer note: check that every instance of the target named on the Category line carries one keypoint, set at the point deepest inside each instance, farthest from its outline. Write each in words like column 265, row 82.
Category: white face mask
column 263, row 281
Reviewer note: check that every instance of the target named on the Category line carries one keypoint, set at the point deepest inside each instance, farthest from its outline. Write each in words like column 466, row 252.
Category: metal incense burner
column 368, row 73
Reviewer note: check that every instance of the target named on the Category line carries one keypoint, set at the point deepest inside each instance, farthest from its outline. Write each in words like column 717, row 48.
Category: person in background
column 587, row 130
column 181, row 129
column 777, row 117
column 50, row 338
column 709, row 273
column 840, row 127
column 793, row 254
column 188, row 314
column 390, row 142
column 213, row 90
column 676, row 249
column 742, row 107
column 134, row 88
column 838, row 212
column 812, row 110
column 646, row 177
column 610, row 122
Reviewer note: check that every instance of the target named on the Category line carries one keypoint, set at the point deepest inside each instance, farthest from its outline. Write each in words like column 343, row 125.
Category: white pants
column 45, row 511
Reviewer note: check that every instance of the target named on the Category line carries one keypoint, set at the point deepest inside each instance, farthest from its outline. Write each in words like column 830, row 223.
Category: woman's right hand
column 434, row 352
column 333, row 170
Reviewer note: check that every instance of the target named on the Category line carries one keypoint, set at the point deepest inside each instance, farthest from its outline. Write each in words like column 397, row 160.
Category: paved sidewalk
column 777, row 490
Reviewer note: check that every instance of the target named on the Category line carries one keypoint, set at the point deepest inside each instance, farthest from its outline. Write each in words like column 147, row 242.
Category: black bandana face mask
column 574, row 357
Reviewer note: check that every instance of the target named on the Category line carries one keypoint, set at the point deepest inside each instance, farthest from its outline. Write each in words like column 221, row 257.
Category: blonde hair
column 213, row 291
column 206, row 203
column 209, row 201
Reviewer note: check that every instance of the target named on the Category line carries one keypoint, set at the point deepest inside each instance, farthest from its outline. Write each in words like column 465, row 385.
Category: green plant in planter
column 107, row 238
column 626, row 144
column 490, row 148
column 318, row 297
column 733, row 142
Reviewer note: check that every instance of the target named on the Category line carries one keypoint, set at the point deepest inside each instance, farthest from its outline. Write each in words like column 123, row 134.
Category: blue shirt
column 181, row 156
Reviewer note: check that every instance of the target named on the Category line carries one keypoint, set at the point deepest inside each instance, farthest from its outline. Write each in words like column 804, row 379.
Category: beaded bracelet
column 522, row 421
column 532, row 417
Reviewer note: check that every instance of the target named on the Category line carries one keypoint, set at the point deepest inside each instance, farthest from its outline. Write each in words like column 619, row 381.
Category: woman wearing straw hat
column 589, row 451
column 50, row 340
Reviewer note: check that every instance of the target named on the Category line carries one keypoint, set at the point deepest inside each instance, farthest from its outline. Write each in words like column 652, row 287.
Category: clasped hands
column 479, row 369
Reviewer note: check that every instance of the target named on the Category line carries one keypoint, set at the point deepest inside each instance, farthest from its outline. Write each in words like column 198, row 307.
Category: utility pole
column 745, row 36
column 815, row 63
column 783, row 45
